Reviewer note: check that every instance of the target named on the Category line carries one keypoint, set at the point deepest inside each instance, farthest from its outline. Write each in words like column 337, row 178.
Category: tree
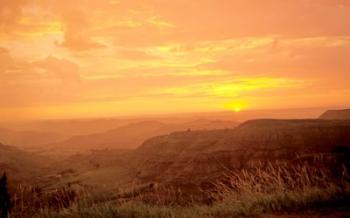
column 4, row 197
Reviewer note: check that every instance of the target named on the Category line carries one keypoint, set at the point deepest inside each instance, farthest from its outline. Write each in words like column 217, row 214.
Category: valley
column 190, row 159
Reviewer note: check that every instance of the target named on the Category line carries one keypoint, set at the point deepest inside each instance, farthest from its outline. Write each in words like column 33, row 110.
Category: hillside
column 336, row 115
column 103, row 169
column 201, row 154
column 193, row 165
column 21, row 166
column 194, row 156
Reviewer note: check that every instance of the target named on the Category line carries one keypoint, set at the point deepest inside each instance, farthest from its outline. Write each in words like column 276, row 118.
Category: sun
column 236, row 106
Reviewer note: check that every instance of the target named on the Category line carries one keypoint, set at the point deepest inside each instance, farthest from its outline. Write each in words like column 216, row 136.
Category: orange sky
column 90, row 58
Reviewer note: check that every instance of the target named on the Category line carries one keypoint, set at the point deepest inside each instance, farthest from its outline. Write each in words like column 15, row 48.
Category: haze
column 83, row 58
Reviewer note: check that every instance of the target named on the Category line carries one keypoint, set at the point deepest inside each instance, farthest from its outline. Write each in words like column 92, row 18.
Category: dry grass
column 28, row 200
column 265, row 188
column 280, row 188
column 281, row 177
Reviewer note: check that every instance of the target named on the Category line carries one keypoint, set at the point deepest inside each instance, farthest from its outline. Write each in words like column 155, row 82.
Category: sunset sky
column 91, row 58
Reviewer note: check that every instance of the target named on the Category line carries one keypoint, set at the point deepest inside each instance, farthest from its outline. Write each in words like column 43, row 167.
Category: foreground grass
column 246, row 205
column 273, row 188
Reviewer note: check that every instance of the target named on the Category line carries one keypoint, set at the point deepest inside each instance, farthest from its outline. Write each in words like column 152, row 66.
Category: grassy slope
column 243, row 206
column 244, row 194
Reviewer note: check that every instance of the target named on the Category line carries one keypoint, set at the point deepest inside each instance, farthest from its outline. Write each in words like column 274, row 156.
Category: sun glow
column 58, row 58
column 236, row 106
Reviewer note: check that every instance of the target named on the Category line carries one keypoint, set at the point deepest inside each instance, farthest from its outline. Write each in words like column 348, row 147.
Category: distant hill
column 68, row 127
column 336, row 115
column 28, row 138
column 132, row 135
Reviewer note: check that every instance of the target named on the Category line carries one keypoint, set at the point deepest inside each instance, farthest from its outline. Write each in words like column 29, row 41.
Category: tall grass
column 241, row 193
column 280, row 188
column 265, row 188
column 281, row 177
column 234, row 206
column 28, row 200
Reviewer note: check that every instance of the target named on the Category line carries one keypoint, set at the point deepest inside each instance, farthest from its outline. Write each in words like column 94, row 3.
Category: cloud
column 23, row 19
column 76, row 31
column 302, row 57
column 234, row 18
column 10, row 12
column 80, row 43
column 229, row 88
column 20, row 71
column 6, row 60
column 61, row 53
column 135, row 54
column 151, row 22
column 46, row 81
column 67, row 71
